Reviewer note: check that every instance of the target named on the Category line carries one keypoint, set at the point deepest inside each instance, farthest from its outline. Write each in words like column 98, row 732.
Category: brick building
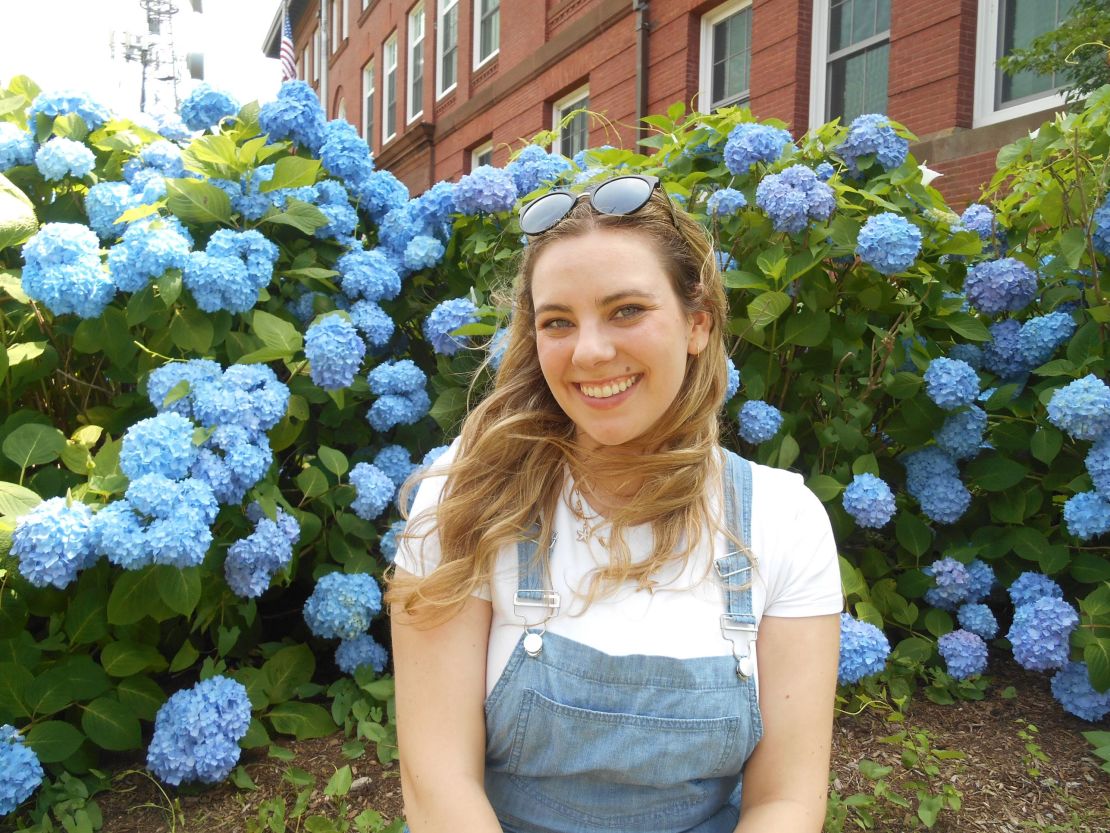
column 440, row 86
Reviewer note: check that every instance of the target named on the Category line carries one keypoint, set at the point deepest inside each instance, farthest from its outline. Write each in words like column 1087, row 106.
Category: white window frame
column 479, row 152
column 368, row 102
column 819, row 61
column 560, row 108
column 346, row 18
column 315, row 54
column 479, row 61
column 417, row 32
column 389, row 73
column 335, row 17
column 444, row 8
column 986, row 54
column 705, row 82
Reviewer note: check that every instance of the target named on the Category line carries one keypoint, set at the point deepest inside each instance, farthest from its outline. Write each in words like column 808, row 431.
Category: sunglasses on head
column 624, row 194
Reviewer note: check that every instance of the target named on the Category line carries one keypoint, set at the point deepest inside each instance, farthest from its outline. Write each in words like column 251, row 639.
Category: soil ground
column 1006, row 785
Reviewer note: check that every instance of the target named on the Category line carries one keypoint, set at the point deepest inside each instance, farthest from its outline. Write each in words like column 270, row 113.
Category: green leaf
column 938, row 622
column 903, row 385
column 16, row 500
column 912, row 533
column 1046, row 443
column 191, row 330
column 194, row 201
column 865, row 464
column 256, row 735
column 1097, row 655
column 86, row 617
column 184, row 658
column 788, row 452
column 826, row 488
column 1090, row 568
column 17, row 215
column 808, row 328
column 135, row 595
column 178, row 588
column 312, row 482
column 1027, row 542
column 996, row 473
column 1073, row 245
column 277, row 333
column 302, row 216
column 967, row 326
column 334, row 461
column 54, row 740
column 125, row 658
column 287, row 670
column 767, row 308
column 929, row 809
column 340, row 783
column 292, row 172
column 303, row 721
column 15, row 681
column 914, row 648
column 33, row 445
column 449, row 408
column 111, row 725
column 142, row 695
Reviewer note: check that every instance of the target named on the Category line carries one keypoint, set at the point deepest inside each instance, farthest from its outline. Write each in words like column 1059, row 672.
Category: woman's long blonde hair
column 516, row 446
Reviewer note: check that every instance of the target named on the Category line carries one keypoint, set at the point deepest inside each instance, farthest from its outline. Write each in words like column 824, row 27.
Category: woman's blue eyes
column 621, row 313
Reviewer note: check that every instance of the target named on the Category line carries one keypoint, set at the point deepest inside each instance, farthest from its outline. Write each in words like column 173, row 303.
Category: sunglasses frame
column 651, row 181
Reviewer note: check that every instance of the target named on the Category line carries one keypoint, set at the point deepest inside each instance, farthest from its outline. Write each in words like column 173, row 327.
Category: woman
column 578, row 594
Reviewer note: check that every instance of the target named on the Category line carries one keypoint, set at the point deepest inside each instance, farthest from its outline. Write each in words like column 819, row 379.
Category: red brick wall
column 781, row 38
column 964, row 179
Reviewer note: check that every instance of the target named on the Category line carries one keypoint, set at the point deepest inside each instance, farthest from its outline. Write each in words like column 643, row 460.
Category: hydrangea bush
column 226, row 351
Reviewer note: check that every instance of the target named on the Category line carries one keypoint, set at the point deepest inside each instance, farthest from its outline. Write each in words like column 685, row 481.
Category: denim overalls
column 579, row 741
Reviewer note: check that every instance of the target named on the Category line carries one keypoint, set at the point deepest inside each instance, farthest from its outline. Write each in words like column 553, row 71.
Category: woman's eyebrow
column 611, row 298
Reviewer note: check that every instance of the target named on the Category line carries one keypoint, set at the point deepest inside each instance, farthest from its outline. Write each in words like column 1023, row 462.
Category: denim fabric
column 579, row 741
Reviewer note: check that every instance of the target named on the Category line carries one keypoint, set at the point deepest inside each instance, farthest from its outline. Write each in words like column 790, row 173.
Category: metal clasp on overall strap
column 533, row 634
column 736, row 632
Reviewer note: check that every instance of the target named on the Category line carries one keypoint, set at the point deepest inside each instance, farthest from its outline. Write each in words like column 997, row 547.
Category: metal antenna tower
column 156, row 52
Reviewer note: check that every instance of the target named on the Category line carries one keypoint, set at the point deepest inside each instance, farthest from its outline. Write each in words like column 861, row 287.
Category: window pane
column 485, row 157
column 731, row 58
column 863, row 20
column 490, row 30
column 1019, row 22
column 840, row 24
column 450, row 48
column 858, row 83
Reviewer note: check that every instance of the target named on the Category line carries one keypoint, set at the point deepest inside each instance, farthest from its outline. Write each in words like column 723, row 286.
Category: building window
column 487, row 30
column 415, row 68
column 481, row 155
column 851, row 46
column 389, row 97
column 315, row 54
column 346, row 18
column 368, row 103
column 1006, row 25
column 726, row 55
column 335, row 41
column 574, row 134
column 447, row 46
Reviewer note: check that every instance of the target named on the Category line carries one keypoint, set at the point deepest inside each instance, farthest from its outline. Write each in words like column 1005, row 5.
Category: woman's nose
column 593, row 346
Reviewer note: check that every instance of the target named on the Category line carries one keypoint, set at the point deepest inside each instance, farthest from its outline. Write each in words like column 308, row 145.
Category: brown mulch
column 1004, row 787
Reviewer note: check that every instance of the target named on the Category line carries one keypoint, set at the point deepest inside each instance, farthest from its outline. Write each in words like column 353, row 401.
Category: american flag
column 287, row 55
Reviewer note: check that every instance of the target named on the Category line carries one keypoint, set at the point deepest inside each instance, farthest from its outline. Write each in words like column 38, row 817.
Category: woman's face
column 611, row 333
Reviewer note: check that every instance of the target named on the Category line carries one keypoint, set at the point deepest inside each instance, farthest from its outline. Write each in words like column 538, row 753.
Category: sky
column 67, row 44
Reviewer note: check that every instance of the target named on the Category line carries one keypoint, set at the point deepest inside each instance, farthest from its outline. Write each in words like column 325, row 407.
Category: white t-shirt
column 797, row 574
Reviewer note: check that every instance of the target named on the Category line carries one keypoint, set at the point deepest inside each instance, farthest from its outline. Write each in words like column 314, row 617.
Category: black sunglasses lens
column 622, row 196
column 544, row 212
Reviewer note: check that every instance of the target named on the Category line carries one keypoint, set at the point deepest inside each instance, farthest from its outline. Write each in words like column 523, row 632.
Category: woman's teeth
column 610, row 389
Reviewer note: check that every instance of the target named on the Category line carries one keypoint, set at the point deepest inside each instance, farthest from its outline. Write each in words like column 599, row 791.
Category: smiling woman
column 580, row 589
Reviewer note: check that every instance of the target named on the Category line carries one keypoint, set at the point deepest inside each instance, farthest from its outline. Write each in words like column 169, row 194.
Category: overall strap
column 532, row 603
column 738, row 622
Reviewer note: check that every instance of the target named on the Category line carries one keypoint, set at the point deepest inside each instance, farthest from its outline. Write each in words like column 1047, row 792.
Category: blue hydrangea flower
column 498, row 344
column 869, row 500
column 66, row 102
column 104, row 203
column 1041, row 633
column 252, row 561
column 388, row 543
column 724, row 202
column 17, row 147
column 759, row 421
column 433, row 455
column 342, row 220
column 534, row 166
column 997, row 286
column 231, row 270
column 59, row 158
column 342, row 605
column 932, row 479
column 373, row 322
column 794, row 197
column 231, row 461
column 888, row 243
column 733, row 381
column 964, row 652
column 379, row 193
column 392, row 410
column 961, row 435
column 1097, row 462
column 872, row 134
column 863, row 650
column 449, row 316
column 1002, row 355
column 197, row 732
column 928, row 464
column 978, row 619
column 172, row 127
column 163, row 157
column 979, row 219
column 62, row 269
column 951, row 383
column 249, row 395
column 20, row 767
column 162, row 444
column 147, row 249
column 375, row 489
column 397, row 229
column 1071, row 686
column 981, row 580
column 970, row 353
column 295, row 114
column 1081, row 408
column 1040, row 336
column 423, row 252
column 368, row 274
column 951, row 579
column 750, row 143
column 334, row 351
column 246, row 196
column 1030, row 586
column 353, row 654
column 824, row 171
column 400, row 377
column 1100, row 227
column 205, row 106
column 164, row 379
column 1087, row 515
column 432, row 210
column 395, row 463
column 485, row 190
column 344, row 153
column 725, row 261
column 54, row 542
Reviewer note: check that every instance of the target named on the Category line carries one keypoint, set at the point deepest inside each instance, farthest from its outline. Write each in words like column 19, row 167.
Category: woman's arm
column 786, row 779
column 441, row 730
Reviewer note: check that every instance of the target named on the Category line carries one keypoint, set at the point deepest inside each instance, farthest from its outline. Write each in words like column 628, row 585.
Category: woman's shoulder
column 782, row 489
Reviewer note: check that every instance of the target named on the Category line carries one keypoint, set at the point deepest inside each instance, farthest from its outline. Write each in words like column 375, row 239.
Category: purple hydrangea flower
column 997, row 286
column 978, row 619
column 964, row 652
column 1002, row 355
column 1030, row 586
column 979, row 219
column 485, row 190
column 951, row 579
column 869, row 500
column 750, row 143
column 863, row 650
column 759, row 421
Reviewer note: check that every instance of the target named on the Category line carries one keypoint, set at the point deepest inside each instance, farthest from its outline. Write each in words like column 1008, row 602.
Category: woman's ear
column 701, row 325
